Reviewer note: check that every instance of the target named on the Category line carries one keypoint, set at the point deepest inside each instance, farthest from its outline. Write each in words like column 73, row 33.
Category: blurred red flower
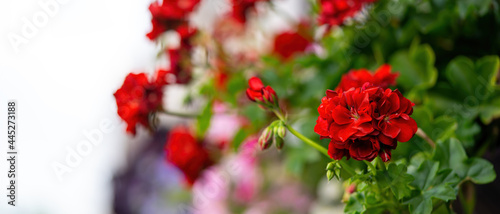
column 257, row 91
column 186, row 153
column 287, row 44
column 365, row 122
column 357, row 78
column 169, row 15
column 137, row 98
column 335, row 12
column 240, row 9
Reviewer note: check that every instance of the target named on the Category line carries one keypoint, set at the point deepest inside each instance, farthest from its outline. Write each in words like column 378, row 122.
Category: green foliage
column 395, row 178
column 203, row 120
column 416, row 67
column 446, row 53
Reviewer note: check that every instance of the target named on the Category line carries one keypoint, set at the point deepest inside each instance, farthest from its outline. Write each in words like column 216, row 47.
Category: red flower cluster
column 179, row 58
column 357, row 78
column 289, row 43
column 364, row 122
column 335, row 12
column 241, row 8
column 137, row 98
column 258, row 93
column 186, row 153
column 169, row 15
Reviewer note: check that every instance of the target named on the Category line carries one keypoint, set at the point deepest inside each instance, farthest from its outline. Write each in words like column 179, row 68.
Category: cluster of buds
column 274, row 133
column 333, row 170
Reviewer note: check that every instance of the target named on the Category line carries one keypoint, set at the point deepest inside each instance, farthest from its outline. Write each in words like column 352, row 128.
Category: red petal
column 341, row 132
column 255, row 84
column 408, row 128
column 341, row 115
column 391, row 130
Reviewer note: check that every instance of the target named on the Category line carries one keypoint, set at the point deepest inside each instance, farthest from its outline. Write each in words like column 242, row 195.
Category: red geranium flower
column 180, row 65
column 257, row 92
column 357, row 78
column 137, row 98
column 335, row 12
column 365, row 122
column 186, row 153
column 289, row 43
column 169, row 15
column 241, row 8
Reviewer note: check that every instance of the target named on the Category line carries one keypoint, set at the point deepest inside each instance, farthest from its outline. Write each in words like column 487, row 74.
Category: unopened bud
column 265, row 138
column 330, row 174
column 280, row 129
column 330, row 166
column 278, row 141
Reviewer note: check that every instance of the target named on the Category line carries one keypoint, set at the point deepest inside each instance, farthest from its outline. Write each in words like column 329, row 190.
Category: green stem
column 424, row 136
column 370, row 165
column 307, row 140
column 380, row 163
column 279, row 115
column 346, row 167
column 178, row 114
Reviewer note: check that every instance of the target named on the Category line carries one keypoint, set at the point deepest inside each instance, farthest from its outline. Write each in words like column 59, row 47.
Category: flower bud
column 278, row 141
column 280, row 129
column 330, row 166
column 265, row 138
column 329, row 175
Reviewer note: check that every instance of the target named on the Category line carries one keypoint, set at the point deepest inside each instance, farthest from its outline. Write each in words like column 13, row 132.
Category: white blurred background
column 63, row 72
column 63, row 79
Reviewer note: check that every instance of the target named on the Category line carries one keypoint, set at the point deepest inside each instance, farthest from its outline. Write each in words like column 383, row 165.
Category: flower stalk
column 424, row 136
column 179, row 114
column 308, row 141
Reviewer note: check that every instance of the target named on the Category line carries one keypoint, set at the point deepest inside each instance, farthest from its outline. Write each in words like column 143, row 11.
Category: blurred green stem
column 370, row 165
column 178, row 114
column 424, row 136
column 307, row 140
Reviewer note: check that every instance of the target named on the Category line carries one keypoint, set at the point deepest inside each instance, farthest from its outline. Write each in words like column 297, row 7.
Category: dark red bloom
column 186, row 153
column 169, row 15
column 180, row 58
column 289, row 43
column 186, row 33
column 257, row 91
column 180, row 65
column 241, row 8
column 393, row 118
column 335, row 12
column 364, row 122
column 357, row 78
column 137, row 98
column 365, row 148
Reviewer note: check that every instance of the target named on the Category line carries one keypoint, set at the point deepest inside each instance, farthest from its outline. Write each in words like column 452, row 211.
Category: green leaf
column 480, row 171
column 473, row 79
column 396, row 178
column 355, row 204
column 204, row 118
column 420, row 205
column 452, row 155
column 432, row 183
column 491, row 109
column 416, row 67
column 425, row 174
column 466, row 7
